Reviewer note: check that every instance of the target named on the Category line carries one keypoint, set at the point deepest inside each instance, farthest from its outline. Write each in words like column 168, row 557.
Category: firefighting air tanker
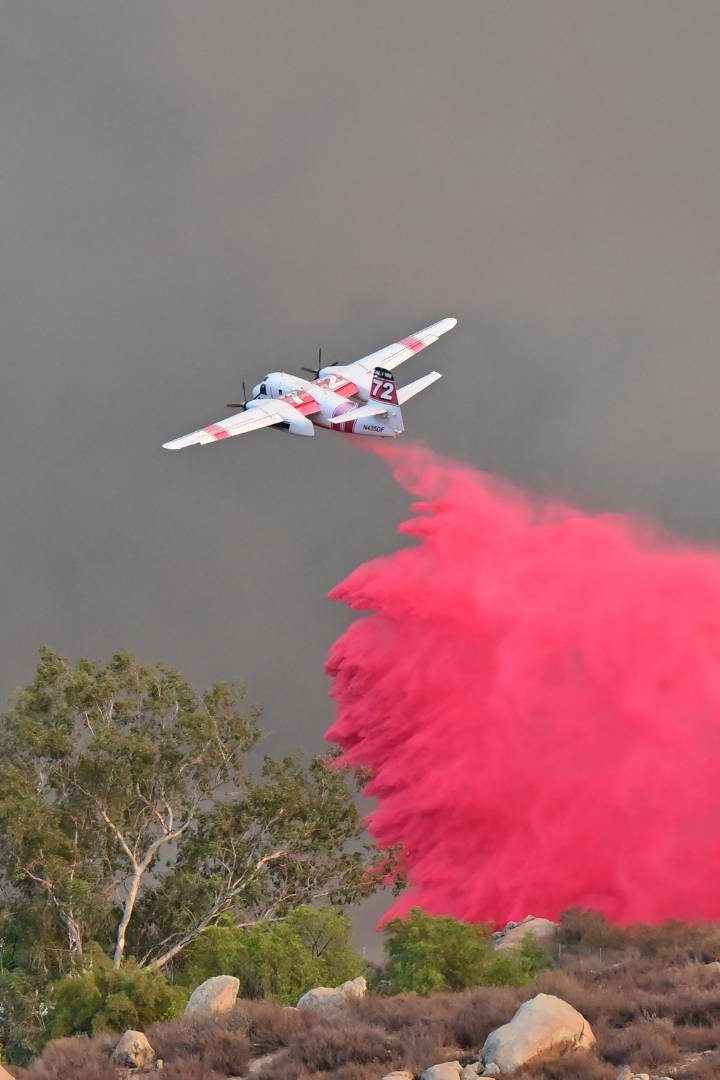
column 359, row 398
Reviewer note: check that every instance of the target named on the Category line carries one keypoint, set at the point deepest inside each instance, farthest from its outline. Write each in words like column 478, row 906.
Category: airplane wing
column 259, row 416
column 395, row 354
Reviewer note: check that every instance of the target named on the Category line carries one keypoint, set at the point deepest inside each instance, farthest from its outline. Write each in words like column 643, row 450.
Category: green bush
column 24, row 1011
column 103, row 999
column 279, row 960
column 428, row 955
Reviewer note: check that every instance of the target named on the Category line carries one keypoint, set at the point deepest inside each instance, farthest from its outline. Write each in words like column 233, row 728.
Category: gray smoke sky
column 192, row 194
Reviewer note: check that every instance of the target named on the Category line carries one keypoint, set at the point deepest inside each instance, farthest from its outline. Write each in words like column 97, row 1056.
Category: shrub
column 292, row 1070
column 103, row 999
column 78, row 1058
column 580, row 1066
column 590, row 930
column 429, row 955
column 217, row 1042
column 272, row 1026
column 479, row 1012
column 279, row 960
column 23, row 1017
column 644, row 1044
column 675, row 941
column 343, row 1041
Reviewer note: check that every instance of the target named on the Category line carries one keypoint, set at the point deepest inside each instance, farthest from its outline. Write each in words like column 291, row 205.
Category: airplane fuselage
column 321, row 400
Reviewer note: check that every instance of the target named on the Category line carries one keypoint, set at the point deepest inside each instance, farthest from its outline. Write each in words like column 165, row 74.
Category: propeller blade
column 312, row 370
column 239, row 404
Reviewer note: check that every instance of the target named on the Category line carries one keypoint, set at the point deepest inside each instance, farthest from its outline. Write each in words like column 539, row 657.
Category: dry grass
column 656, row 1009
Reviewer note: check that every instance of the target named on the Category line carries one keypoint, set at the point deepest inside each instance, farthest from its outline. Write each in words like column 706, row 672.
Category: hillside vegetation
column 142, row 852
column 653, row 1000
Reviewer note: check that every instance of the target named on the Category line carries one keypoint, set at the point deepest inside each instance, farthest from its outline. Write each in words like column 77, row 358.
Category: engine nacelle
column 297, row 424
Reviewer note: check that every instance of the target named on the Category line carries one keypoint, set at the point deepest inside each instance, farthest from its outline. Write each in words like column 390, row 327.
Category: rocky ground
column 640, row 1017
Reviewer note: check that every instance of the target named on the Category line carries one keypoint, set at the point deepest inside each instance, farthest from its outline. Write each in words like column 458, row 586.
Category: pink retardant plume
column 536, row 692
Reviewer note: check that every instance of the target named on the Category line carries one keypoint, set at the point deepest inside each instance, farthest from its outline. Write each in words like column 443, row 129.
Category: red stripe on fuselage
column 347, row 426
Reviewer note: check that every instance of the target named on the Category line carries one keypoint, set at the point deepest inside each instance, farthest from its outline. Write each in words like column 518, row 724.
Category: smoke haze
column 196, row 194
column 536, row 691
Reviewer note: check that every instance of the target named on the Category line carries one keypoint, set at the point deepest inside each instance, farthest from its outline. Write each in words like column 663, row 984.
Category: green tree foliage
column 293, row 837
column 104, row 998
column 280, row 960
column 428, row 955
column 128, row 816
column 24, row 1013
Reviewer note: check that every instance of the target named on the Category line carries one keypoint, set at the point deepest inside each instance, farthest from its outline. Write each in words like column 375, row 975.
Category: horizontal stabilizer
column 413, row 388
column 361, row 413
column 376, row 409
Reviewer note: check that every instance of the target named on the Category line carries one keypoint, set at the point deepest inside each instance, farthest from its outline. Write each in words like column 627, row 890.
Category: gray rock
column 545, row 1026
column 216, row 995
column 471, row 1072
column 448, row 1070
column 491, row 1070
column 133, row 1051
column 330, row 997
column 543, row 930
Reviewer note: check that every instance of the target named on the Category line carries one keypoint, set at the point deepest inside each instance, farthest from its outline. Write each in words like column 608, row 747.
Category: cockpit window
column 263, row 388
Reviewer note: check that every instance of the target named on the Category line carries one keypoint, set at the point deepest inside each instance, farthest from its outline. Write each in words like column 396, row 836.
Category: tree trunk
column 74, row 933
column 128, row 908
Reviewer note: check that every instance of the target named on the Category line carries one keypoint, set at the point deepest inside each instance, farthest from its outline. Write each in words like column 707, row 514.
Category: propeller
column 316, row 371
column 239, row 404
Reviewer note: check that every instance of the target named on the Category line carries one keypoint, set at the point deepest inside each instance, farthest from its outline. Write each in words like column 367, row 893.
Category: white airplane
column 359, row 398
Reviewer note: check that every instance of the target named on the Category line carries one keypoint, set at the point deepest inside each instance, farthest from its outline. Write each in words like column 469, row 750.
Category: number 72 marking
column 382, row 389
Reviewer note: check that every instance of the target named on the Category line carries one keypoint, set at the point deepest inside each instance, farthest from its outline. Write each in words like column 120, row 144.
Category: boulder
column 133, row 1051
column 471, row 1072
column 329, row 997
column 216, row 995
column 402, row 1075
column 545, row 1026
column 491, row 1070
column 543, row 930
column 448, row 1070
column 5, row 1075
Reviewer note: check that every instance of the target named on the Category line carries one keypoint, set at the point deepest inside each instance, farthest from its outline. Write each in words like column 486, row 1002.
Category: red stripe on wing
column 413, row 343
column 302, row 401
column 217, row 431
column 338, row 385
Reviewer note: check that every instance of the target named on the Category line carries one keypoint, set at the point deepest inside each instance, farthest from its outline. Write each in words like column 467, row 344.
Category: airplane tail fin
column 384, row 392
